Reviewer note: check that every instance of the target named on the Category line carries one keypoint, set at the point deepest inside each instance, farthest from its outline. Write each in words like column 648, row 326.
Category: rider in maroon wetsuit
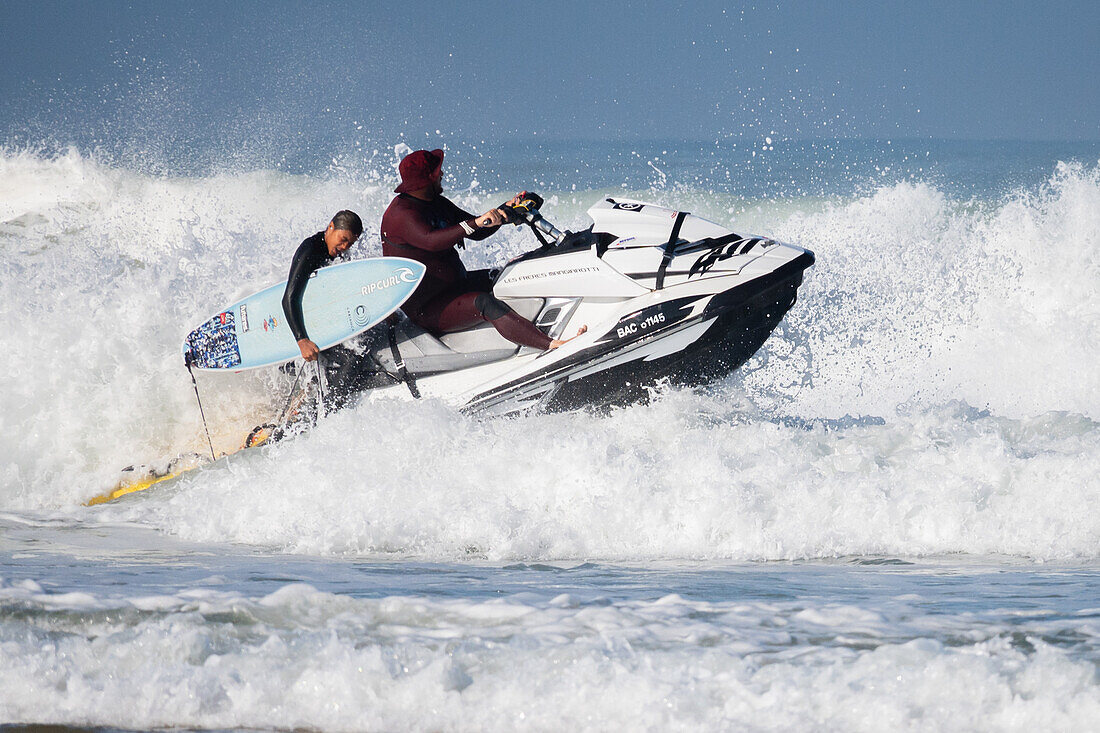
column 423, row 225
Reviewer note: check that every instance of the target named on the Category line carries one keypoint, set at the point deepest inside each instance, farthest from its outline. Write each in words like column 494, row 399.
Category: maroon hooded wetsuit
column 448, row 298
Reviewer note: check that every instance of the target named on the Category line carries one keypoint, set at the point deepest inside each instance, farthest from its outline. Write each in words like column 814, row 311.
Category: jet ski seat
column 483, row 337
column 424, row 353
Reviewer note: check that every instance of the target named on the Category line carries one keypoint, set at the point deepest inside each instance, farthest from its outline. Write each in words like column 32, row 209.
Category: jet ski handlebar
column 526, row 211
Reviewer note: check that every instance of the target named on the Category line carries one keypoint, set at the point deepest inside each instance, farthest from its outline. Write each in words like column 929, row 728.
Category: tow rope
column 187, row 362
column 320, row 392
column 284, row 413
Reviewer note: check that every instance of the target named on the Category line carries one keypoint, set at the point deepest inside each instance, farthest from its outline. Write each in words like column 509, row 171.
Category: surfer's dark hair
column 348, row 221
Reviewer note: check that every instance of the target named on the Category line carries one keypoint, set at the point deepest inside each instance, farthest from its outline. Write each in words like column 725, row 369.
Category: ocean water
column 886, row 520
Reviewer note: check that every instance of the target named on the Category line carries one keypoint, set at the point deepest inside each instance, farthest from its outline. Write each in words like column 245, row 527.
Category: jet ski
column 664, row 294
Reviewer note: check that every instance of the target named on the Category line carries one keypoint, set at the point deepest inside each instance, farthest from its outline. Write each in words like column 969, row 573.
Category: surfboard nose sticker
column 213, row 345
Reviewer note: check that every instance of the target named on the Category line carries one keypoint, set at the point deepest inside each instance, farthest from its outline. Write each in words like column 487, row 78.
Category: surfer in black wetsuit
column 313, row 253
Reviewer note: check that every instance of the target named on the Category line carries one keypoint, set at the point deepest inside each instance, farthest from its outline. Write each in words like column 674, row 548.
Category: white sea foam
column 300, row 658
column 919, row 306
column 686, row 477
column 917, row 297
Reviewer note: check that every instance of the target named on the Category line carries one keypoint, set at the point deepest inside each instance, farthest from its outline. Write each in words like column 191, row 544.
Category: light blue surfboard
column 339, row 301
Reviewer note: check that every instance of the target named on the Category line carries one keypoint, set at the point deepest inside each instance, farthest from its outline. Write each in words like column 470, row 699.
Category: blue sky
column 281, row 71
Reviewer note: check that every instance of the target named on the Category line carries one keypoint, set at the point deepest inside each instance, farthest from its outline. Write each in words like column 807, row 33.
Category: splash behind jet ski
column 665, row 294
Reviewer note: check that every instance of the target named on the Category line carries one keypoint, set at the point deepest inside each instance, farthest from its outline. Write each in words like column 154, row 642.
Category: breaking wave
column 931, row 392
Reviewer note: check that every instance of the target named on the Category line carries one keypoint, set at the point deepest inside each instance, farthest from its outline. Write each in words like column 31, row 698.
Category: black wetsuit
column 343, row 366
column 312, row 254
